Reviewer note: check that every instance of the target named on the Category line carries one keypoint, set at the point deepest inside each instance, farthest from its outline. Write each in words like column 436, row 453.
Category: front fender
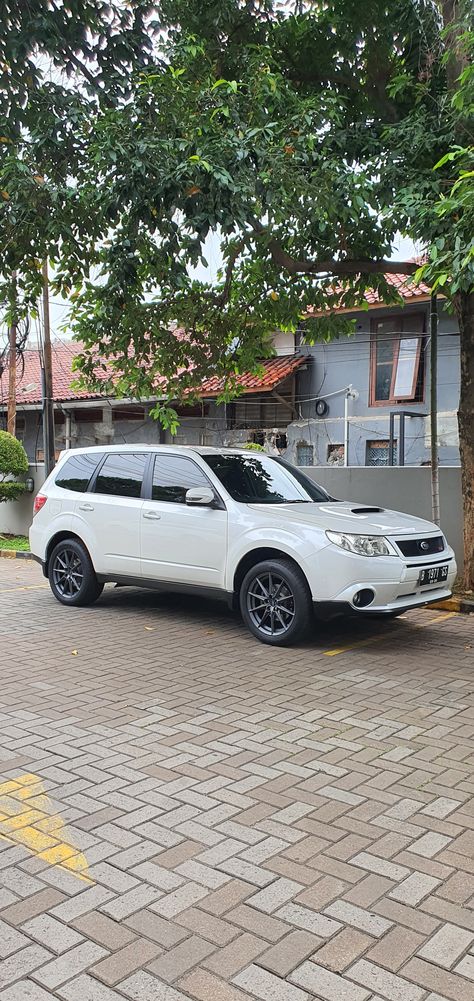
column 298, row 547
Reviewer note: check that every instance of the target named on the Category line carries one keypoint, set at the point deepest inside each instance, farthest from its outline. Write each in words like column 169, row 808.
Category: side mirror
column 202, row 496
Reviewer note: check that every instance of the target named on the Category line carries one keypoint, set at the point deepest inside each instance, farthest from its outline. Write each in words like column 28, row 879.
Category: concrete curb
column 464, row 605
column 14, row 554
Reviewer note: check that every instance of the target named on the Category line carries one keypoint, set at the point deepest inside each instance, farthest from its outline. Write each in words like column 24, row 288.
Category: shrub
column 254, row 447
column 13, row 462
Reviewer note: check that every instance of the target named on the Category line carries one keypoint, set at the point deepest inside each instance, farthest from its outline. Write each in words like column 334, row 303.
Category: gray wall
column 16, row 516
column 347, row 361
column 402, row 489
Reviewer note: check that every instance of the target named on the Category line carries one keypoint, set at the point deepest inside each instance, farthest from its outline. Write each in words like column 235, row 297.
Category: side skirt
column 170, row 587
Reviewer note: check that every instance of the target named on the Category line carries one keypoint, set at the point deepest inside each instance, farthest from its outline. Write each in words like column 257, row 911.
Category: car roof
column 147, row 447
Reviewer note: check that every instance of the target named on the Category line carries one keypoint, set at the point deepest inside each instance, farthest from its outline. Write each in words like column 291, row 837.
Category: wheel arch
column 258, row 555
column 61, row 537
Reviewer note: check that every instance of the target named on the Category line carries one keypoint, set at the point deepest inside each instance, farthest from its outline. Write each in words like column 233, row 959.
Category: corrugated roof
column 275, row 371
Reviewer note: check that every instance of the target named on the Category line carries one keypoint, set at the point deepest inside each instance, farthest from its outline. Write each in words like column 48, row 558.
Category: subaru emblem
column 424, row 545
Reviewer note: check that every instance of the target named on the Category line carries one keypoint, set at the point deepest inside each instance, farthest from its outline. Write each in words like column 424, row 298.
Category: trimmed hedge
column 13, row 462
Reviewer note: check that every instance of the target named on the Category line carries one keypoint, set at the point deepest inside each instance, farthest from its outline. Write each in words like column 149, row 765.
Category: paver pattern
column 187, row 814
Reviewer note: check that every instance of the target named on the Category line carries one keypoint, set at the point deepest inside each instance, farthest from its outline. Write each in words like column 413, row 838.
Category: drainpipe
column 346, row 428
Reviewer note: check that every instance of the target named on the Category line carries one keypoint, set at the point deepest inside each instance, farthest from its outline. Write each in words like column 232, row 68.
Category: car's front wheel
column 71, row 574
column 276, row 603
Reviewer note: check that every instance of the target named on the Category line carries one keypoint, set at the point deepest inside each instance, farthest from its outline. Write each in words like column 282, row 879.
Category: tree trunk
column 464, row 303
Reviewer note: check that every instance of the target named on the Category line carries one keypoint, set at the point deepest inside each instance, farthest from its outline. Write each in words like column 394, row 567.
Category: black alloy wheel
column 275, row 602
column 71, row 574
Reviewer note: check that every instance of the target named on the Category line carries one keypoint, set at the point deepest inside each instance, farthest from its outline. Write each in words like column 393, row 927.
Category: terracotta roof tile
column 403, row 284
column 275, row 371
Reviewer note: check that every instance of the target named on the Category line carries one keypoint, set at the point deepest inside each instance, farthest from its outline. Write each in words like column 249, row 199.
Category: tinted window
column 173, row 475
column 121, row 475
column 263, row 480
column 77, row 471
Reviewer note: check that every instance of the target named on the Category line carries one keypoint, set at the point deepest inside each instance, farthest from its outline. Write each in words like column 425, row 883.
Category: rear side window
column 121, row 475
column 173, row 475
column 77, row 472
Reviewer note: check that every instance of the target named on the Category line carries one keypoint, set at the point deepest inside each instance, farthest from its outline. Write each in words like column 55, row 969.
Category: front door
column 110, row 514
column 181, row 543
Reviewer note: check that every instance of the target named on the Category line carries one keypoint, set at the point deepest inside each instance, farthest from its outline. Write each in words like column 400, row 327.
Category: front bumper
column 340, row 576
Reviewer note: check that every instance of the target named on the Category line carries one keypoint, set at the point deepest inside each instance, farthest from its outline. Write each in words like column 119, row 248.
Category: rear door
column 182, row 543
column 107, row 517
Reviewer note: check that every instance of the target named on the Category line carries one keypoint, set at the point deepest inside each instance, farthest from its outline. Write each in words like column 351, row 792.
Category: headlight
column 362, row 545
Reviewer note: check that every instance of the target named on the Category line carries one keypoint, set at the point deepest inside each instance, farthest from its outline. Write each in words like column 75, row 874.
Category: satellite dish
column 321, row 408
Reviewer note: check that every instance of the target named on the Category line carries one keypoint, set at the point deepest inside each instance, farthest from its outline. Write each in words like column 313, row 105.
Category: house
column 309, row 403
column 260, row 414
column 386, row 365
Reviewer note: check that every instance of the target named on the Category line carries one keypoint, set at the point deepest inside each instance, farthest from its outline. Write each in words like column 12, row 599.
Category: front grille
column 421, row 547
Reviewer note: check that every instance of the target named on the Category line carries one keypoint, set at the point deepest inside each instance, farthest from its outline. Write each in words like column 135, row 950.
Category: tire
column 71, row 575
column 280, row 622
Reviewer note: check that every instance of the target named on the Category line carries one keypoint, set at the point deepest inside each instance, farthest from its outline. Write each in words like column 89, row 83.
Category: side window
column 173, row 475
column 121, row 475
column 77, row 471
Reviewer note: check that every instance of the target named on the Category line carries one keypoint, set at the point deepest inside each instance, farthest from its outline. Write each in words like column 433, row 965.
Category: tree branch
column 346, row 266
column 222, row 299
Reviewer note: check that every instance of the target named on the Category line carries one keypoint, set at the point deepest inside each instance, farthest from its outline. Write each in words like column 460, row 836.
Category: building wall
column 339, row 364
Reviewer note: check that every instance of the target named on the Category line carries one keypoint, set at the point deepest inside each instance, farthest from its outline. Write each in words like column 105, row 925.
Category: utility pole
column 47, row 381
column 434, row 408
column 11, row 412
column 11, row 409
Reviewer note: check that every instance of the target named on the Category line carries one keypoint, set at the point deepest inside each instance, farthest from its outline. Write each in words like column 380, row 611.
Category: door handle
column 86, row 507
column 152, row 515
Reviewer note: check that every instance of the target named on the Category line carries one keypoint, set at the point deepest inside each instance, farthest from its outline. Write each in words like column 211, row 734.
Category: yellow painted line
column 7, row 787
column 353, row 646
column 25, row 820
column 29, row 587
column 33, row 792
column 48, row 825
column 34, row 839
column 383, row 636
column 78, row 865
column 440, row 618
column 57, row 854
column 21, row 820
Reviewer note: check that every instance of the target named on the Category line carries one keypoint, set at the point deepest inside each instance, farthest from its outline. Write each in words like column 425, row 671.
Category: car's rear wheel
column 71, row 574
column 276, row 603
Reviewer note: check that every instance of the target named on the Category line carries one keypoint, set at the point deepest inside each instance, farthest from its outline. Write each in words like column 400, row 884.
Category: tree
column 13, row 462
column 303, row 136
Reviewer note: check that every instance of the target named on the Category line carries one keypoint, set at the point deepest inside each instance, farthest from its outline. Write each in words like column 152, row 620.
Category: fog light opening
column 363, row 598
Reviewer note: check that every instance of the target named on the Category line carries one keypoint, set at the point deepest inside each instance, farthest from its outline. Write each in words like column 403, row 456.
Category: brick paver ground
column 187, row 814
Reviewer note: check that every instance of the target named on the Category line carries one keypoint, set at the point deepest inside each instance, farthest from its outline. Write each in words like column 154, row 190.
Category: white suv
column 231, row 524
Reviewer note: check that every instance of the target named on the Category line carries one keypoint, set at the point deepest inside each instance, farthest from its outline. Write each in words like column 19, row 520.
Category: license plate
column 432, row 575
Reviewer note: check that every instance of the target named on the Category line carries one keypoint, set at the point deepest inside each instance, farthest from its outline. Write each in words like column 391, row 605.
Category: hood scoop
column 366, row 510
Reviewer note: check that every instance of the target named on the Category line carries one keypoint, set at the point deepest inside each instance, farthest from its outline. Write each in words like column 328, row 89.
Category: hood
column 342, row 516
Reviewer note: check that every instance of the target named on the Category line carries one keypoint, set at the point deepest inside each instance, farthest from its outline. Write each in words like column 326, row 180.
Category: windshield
column 262, row 479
